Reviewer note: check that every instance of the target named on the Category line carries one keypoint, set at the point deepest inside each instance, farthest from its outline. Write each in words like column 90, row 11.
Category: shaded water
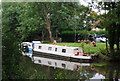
column 45, row 70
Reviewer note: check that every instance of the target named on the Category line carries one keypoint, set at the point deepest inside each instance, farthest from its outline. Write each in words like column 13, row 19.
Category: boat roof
column 64, row 46
column 36, row 42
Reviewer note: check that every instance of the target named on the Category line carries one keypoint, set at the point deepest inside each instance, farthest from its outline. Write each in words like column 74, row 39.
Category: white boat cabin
column 57, row 49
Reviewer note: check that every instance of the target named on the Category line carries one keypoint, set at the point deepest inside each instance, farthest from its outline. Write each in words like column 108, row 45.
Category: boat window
column 49, row 62
column 63, row 65
column 76, row 49
column 55, row 49
column 39, row 61
column 55, row 64
column 49, row 48
column 40, row 47
column 64, row 50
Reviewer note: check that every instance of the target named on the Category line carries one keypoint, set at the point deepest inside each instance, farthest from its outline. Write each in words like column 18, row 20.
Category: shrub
column 73, row 32
column 97, row 32
column 84, row 31
column 46, row 42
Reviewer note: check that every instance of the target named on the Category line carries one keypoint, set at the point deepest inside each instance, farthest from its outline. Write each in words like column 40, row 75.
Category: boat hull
column 59, row 57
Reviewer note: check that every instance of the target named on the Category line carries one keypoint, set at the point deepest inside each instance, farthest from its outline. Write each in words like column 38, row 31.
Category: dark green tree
column 111, row 23
column 10, row 41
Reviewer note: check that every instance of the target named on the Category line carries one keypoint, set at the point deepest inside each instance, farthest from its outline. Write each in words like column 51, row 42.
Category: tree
column 53, row 17
column 112, row 23
column 10, row 41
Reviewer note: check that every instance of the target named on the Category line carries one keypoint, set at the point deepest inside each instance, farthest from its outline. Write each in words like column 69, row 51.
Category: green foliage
column 112, row 23
column 21, row 21
column 61, row 16
column 10, row 42
column 98, row 32
column 31, row 17
column 46, row 42
column 84, row 32
column 73, row 32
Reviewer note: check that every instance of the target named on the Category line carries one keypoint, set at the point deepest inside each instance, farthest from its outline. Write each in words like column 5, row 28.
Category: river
column 47, row 68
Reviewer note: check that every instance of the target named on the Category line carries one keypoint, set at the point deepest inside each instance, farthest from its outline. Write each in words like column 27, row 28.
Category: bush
column 46, row 42
column 73, row 32
column 97, row 32
column 84, row 31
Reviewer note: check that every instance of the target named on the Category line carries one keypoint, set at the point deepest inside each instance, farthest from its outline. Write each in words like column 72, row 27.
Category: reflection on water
column 48, row 68
column 98, row 76
column 83, row 70
column 59, row 63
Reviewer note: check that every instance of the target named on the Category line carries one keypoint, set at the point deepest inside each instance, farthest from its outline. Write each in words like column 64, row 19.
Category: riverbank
column 86, row 47
column 100, row 49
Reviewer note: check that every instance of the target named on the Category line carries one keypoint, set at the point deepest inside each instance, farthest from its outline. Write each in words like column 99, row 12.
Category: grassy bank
column 86, row 47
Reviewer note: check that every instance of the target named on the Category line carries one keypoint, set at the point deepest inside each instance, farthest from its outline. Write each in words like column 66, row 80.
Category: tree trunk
column 110, row 75
column 111, row 43
column 111, row 51
column 107, row 45
column 43, row 35
column 117, row 37
column 111, row 40
column 56, row 35
column 111, row 46
column 48, row 24
column 49, row 31
column 117, row 42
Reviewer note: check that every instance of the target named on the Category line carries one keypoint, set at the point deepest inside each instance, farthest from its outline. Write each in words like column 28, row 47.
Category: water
column 47, row 68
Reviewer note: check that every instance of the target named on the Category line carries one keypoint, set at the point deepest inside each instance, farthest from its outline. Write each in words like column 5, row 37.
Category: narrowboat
column 50, row 50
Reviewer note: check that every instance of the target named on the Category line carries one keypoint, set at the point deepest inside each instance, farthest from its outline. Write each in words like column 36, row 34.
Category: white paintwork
column 103, row 39
column 36, row 42
column 70, row 51
column 96, row 29
column 81, row 57
column 29, row 44
column 58, row 63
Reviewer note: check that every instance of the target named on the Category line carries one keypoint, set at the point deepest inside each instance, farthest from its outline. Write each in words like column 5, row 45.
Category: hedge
column 84, row 31
column 73, row 32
